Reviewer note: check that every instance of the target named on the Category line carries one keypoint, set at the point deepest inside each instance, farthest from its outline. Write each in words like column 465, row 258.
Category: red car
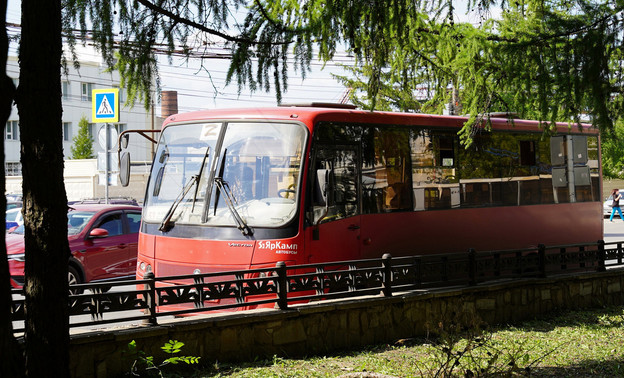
column 102, row 239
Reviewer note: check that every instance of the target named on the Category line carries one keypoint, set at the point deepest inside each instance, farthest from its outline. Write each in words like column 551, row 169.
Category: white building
column 77, row 87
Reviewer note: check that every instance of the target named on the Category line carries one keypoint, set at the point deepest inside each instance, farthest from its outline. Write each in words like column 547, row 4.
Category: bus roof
column 310, row 115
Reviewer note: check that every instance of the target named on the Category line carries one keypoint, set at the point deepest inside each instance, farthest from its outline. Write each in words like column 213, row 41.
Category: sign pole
column 107, row 168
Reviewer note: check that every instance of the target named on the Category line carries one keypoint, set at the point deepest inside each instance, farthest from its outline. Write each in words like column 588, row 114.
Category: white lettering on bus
column 279, row 247
column 240, row 245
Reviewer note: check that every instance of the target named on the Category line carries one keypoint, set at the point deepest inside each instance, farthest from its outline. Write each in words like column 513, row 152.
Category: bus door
column 334, row 211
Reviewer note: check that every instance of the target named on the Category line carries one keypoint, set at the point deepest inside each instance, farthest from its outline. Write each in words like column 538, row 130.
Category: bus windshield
column 242, row 174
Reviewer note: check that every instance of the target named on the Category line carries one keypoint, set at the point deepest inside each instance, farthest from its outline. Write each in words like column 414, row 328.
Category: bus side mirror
column 124, row 168
column 124, row 159
column 124, row 140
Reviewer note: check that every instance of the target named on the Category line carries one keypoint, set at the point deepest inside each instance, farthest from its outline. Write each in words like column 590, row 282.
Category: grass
column 573, row 344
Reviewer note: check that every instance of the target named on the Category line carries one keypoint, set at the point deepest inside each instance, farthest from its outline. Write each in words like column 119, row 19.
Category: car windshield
column 226, row 174
column 76, row 222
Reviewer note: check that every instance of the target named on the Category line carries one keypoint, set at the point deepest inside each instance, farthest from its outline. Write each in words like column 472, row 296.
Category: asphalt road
column 613, row 231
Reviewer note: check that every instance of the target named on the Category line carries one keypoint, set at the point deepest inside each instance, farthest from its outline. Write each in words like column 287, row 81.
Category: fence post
column 386, row 261
column 601, row 256
column 619, row 253
column 472, row 267
column 541, row 255
column 150, row 298
column 199, row 288
column 562, row 258
column 282, row 288
column 416, row 266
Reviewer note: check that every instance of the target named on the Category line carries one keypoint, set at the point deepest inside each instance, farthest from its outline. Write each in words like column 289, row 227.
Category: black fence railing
column 146, row 300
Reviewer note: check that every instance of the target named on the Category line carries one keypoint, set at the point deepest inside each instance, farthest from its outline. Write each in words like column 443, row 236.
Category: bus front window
column 260, row 165
column 180, row 172
column 257, row 164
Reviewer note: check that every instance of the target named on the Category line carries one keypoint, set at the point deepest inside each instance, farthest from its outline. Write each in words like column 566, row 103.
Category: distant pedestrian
column 615, row 194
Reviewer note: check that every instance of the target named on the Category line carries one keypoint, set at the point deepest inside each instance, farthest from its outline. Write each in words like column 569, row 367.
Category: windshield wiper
column 223, row 186
column 166, row 223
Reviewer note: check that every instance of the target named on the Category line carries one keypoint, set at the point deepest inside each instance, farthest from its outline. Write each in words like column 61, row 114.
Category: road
column 613, row 231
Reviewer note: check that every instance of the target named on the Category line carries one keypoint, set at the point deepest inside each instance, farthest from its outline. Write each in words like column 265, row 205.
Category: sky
column 196, row 88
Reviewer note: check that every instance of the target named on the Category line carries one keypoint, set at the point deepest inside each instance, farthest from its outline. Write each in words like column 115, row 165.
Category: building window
column 121, row 95
column 11, row 131
column 12, row 168
column 87, row 88
column 66, row 90
column 66, row 131
column 92, row 130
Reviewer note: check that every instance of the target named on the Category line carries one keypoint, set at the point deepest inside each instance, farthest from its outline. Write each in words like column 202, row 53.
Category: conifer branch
column 198, row 26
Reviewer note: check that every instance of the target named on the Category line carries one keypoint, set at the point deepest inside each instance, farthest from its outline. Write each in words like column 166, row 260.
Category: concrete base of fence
column 322, row 327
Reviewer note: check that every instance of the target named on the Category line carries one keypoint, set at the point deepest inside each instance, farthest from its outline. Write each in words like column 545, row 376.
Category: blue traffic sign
column 105, row 105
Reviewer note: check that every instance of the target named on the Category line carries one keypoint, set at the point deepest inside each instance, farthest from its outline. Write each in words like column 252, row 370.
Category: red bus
column 245, row 188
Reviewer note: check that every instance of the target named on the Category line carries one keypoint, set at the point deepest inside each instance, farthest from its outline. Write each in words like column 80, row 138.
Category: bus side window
column 386, row 162
column 335, row 187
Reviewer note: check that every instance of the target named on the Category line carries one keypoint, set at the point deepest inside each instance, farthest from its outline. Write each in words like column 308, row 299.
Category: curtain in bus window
column 340, row 189
column 386, row 176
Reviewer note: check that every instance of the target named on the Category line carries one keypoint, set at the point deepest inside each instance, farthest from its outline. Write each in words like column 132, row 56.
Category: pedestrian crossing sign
column 105, row 105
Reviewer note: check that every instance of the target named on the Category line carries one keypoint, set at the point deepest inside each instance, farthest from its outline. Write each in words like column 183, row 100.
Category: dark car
column 103, row 242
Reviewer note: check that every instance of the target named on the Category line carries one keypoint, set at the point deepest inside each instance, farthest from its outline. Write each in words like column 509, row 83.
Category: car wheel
column 73, row 278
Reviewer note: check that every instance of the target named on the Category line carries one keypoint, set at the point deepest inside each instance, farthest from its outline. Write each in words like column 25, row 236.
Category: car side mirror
column 98, row 233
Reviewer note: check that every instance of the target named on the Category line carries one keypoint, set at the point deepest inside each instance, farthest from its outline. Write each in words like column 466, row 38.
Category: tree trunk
column 45, row 200
column 12, row 362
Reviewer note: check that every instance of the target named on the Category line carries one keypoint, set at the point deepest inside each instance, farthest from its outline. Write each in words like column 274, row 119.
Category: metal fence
column 282, row 285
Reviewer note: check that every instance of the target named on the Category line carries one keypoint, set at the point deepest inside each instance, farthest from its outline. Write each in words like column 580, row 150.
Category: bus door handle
column 353, row 227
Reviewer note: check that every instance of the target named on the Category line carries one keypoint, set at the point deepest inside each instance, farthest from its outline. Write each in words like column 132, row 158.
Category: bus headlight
column 143, row 267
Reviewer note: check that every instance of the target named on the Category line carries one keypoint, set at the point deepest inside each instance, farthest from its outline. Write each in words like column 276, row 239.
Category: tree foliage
column 554, row 60
column 546, row 60
column 83, row 143
column 613, row 152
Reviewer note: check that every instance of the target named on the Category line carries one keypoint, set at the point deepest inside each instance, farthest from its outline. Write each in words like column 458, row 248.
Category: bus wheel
column 73, row 278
